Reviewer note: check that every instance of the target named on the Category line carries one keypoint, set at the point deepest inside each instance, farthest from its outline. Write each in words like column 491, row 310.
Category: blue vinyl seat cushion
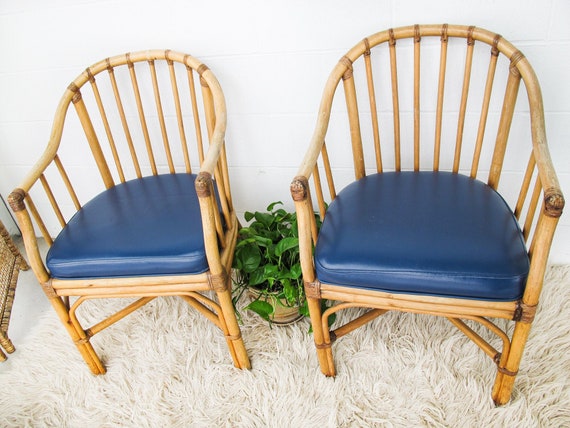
column 434, row 233
column 147, row 226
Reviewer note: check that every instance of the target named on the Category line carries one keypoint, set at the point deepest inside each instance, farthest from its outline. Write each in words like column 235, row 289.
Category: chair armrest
column 16, row 200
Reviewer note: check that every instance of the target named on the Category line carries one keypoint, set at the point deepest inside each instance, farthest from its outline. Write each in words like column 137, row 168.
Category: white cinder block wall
column 272, row 58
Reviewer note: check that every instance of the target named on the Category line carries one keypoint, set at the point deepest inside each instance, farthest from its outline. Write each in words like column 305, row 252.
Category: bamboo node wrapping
column 417, row 36
column 82, row 341
column 515, row 58
column 48, row 290
column 313, row 289
column 323, row 345
column 16, row 200
column 553, row 203
column 76, row 93
column 524, row 313
column 326, row 345
column 507, row 372
column 444, row 33
column 348, row 64
column 202, row 69
column 299, row 188
column 233, row 336
column 366, row 46
column 109, row 66
column 129, row 62
column 470, row 39
column 218, row 282
column 90, row 75
column 203, row 185
column 166, row 55
column 392, row 38
column 495, row 48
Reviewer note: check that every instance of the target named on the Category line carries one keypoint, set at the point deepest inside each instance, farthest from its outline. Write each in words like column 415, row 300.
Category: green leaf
column 257, row 276
column 249, row 258
column 248, row 215
column 296, row 271
column 264, row 242
column 261, row 308
column 291, row 293
column 271, row 271
column 265, row 219
column 286, row 244
column 273, row 205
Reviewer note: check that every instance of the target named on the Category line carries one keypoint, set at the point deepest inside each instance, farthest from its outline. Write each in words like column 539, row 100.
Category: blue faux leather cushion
column 435, row 233
column 147, row 226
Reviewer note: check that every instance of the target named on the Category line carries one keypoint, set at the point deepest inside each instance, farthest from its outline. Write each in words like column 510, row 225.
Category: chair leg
column 324, row 351
column 79, row 337
column 232, row 330
column 506, row 375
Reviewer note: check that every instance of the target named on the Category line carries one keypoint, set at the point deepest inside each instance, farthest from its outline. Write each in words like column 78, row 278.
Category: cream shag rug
column 168, row 367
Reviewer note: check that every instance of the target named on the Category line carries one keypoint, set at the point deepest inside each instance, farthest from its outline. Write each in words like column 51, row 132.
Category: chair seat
column 435, row 233
column 147, row 226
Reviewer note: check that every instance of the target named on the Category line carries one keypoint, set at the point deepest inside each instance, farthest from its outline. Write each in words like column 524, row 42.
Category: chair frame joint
column 553, row 203
column 49, row 290
column 16, row 200
column 218, row 282
column 313, row 289
column 299, row 188
column 203, row 184
column 524, row 313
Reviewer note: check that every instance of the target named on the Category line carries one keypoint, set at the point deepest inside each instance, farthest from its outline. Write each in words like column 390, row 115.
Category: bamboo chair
column 159, row 220
column 417, row 223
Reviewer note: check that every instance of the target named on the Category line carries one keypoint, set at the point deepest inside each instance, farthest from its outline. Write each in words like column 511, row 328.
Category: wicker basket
column 11, row 261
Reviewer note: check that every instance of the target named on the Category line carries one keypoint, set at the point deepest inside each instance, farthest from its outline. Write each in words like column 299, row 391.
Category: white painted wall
column 272, row 59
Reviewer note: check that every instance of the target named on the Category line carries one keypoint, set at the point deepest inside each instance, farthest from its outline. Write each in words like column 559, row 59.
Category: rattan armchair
column 152, row 215
column 436, row 187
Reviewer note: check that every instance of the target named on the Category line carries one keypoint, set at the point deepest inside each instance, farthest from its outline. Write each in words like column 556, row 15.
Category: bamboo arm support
column 16, row 200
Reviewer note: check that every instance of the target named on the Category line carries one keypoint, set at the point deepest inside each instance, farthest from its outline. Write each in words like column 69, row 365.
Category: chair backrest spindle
column 464, row 96
column 373, row 107
column 91, row 135
column 395, row 101
column 505, row 121
column 124, row 122
column 142, row 117
column 354, row 119
column 106, row 125
column 179, row 117
column 485, row 107
column 160, row 113
column 440, row 93
column 417, row 81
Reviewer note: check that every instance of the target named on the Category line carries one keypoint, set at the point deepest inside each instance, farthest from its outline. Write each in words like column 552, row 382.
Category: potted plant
column 267, row 264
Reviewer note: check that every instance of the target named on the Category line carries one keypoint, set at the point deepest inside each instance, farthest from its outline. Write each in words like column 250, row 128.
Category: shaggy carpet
column 168, row 367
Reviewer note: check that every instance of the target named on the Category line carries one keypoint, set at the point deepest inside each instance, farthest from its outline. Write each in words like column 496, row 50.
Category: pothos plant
column 267, row 259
